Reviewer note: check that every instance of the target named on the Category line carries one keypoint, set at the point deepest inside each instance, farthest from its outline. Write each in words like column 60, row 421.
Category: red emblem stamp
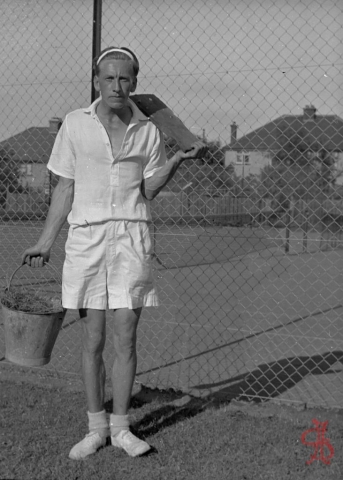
column 320, row 444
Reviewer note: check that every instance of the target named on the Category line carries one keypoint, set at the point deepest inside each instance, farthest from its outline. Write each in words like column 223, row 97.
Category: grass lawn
column 191, row 438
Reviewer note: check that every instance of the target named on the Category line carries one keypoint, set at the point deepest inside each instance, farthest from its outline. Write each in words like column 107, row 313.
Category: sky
column 212, row 61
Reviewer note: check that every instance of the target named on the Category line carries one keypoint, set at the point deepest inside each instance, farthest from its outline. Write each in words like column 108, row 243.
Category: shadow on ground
column 264, row 383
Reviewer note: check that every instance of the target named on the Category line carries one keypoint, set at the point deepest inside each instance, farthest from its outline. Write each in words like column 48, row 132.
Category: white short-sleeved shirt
column 107, row 188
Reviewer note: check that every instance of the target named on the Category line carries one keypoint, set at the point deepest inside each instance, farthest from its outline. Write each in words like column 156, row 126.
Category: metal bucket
column 30, row 338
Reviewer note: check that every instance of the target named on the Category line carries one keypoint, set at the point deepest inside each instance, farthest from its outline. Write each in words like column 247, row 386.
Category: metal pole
column 305, row 227
column 288, row 224
column 242, row 173
column 96, row 44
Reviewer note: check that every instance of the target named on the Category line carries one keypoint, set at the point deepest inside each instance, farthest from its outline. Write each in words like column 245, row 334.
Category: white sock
column 119, row 423
column 97, row 422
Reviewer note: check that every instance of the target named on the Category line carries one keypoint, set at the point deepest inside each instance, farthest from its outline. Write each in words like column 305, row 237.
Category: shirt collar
column 137, row 115
column 92, row 108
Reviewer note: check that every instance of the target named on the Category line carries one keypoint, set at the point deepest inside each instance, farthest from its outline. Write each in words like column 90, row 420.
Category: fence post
column 288, row 225
column 305, row 230
column 7, row 204
column 96, row 48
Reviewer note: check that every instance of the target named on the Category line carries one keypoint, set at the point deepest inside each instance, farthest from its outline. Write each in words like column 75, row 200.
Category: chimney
column 55, row 124
column 233, row 132
column 310, row 112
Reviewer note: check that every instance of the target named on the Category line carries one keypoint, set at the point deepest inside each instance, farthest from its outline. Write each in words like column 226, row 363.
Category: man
column 111, row 161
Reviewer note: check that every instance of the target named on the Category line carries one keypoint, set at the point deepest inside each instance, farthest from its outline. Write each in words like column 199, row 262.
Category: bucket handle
column 18, row 268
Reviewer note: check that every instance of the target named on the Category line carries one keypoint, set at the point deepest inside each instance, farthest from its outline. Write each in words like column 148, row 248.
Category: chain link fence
column 247, row 241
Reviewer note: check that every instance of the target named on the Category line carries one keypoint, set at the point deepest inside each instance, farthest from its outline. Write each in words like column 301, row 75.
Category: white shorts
column 108, row 265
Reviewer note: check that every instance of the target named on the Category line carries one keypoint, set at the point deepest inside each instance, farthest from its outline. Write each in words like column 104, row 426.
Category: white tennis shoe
column 89, row 445
column 130, row 443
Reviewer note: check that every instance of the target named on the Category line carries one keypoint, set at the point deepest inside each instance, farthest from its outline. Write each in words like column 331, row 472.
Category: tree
column 207, row 175
column 9, row 173
column 214, row 156
column 301, row 168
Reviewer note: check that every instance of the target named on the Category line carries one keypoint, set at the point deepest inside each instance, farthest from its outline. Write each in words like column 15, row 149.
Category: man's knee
column 125, row 331
column 125, row 343
column 93, row 342
column 93, row 334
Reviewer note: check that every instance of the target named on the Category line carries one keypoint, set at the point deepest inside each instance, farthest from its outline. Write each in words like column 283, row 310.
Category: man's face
column 115, row 82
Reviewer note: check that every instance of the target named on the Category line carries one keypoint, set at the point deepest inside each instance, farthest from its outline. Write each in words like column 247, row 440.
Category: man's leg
column 125, row 357
column 93, row 368
column 123, row 375
column 94, row 376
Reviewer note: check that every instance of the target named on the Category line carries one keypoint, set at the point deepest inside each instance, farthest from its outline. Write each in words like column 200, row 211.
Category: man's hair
column 116, row 56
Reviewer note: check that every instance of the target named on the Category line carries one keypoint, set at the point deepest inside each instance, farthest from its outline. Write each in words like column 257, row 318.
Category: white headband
column 115, row 50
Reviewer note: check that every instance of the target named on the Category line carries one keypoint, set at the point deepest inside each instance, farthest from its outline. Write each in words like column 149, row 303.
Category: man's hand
column 35, row 257
column 198, row 150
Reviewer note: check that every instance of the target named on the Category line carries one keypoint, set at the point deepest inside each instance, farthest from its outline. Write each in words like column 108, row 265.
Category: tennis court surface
column 238, row 317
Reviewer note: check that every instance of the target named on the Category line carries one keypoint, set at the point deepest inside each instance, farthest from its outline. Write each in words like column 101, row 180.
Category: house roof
column 325, row 129
column 33, row 145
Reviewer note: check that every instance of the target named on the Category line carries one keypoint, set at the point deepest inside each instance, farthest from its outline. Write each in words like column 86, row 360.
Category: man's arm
column 153, row 185
column 61, row 203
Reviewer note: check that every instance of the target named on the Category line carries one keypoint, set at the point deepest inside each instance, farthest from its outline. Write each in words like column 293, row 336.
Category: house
column 31, row 151
column 252, row 152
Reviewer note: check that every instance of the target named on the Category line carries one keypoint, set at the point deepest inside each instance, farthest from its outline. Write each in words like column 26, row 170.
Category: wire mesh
column 247, row 241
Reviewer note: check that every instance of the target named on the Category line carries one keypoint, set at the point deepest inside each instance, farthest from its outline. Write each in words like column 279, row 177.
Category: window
column 242, row 159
